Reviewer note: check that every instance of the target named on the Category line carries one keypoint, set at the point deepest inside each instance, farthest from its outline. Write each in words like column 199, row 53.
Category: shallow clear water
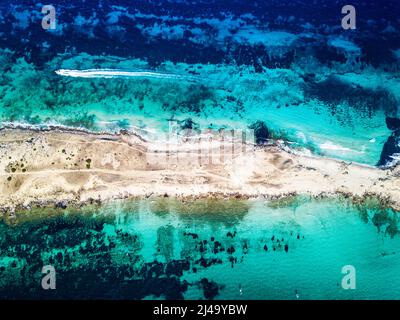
column 204, row 249
column 228, row 64
column 216, row 97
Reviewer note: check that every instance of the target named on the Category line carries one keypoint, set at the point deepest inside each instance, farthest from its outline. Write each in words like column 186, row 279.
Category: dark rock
column 188, row 124
column 176, row 267
column 217, row 247
column 261, row 132
column 205, row 263
column 391, row 147
column 231, row 250
column 62, row 205
column 393, row 123
column 210, row 288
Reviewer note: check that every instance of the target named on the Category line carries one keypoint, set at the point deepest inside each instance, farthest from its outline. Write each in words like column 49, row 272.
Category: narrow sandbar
column 74, row 167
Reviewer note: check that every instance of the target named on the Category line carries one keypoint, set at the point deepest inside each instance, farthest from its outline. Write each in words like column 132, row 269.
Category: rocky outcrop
column 261, row 132
column 393, row 123
column 390, row 149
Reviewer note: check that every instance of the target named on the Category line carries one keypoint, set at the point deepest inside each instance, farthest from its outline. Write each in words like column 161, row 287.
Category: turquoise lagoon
column 206, row 249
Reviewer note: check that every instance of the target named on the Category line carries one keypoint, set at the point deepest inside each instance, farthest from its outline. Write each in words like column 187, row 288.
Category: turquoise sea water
column 348, row 124
column 324, row 90
column 163, row 248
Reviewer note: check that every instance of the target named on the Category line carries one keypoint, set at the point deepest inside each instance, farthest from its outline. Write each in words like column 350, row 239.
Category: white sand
column 51, row 166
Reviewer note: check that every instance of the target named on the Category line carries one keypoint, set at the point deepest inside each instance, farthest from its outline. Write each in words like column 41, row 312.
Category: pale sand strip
column 51, row 166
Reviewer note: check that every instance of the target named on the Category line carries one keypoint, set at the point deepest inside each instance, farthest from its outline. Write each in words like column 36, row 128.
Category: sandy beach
column 71, row 167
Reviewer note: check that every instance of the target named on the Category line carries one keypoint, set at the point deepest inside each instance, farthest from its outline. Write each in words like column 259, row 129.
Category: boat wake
column 112, row 73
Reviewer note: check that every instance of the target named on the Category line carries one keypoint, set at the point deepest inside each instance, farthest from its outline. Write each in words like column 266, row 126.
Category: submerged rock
column 210, row 288
column 188, row 124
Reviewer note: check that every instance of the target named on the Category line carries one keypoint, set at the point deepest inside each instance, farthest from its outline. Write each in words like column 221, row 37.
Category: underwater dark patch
column 333, row 92
column 260, row 57
column 327, row 55
column 378, row 51
column 92, row 263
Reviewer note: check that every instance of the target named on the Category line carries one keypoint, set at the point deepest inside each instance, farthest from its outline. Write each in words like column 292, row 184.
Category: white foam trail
column 333, row 147
column 112, row 73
